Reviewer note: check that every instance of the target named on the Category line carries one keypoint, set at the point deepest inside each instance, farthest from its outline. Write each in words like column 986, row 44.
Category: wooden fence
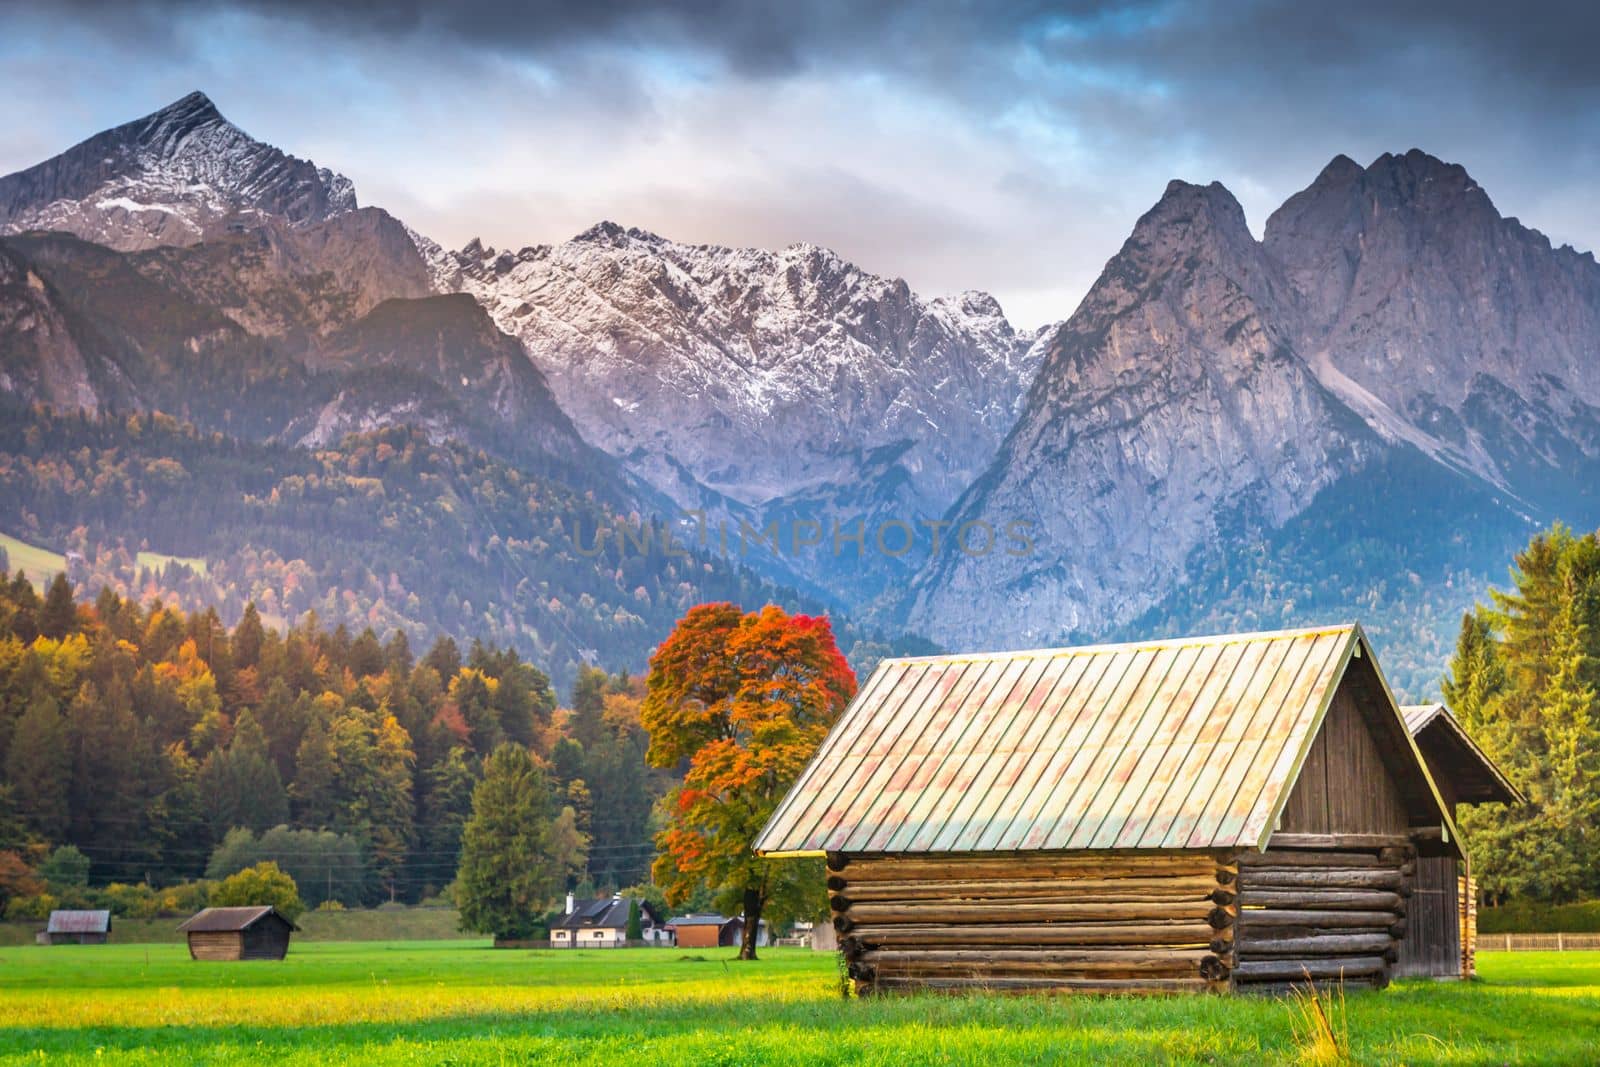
column 1538, row 942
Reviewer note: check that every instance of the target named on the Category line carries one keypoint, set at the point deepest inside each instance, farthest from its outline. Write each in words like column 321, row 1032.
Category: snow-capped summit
column 768, row 380
column 174, row 177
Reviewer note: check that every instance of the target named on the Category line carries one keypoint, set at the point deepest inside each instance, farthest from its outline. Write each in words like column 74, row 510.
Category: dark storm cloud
column 1549, row 44
column 1006, row 146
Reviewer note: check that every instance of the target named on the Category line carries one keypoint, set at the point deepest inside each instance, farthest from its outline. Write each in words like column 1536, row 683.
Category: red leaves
column 746, row 699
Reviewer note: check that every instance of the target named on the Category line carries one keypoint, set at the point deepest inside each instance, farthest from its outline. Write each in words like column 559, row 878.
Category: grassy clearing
column 39, row 564
column 156, row 561
column 465, row 1003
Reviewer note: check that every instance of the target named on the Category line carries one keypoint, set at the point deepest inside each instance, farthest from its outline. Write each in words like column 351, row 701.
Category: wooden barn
column 251, row 933
column 1220, row 813
column 1442, row 922
column 77, row 928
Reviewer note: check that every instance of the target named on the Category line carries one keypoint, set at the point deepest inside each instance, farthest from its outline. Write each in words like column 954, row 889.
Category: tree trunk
column 753, row 903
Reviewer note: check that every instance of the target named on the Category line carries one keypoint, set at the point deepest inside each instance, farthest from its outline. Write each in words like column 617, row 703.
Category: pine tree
column 507, row 879
column 390, row 803
column 39, row 768
column 240, row 784
column 445, row 806
column 312, row 791
column 248, row 638
column 58, row 617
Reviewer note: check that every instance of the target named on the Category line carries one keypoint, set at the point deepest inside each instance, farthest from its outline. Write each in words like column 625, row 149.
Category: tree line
column 164, row 747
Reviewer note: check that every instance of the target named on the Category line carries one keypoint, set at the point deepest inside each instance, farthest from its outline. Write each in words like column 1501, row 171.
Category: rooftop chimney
column 569, row 904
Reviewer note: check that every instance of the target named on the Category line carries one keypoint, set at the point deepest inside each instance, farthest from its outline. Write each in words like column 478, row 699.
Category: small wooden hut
column 77, row 928
column 249, row 933
column 1219, row 813
column 1441, row 925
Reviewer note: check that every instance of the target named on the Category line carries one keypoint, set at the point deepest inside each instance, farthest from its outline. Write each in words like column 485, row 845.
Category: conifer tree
column 58, row 616
column 39, row 768
column 508, row 879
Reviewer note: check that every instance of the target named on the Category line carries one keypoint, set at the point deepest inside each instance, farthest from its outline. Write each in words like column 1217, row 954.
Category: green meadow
column 466, row 1003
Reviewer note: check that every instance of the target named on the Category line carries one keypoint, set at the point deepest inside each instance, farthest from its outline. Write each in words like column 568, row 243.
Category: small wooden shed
column 76, row 928
column 1442, row 923
column 1218, row 813
column 247, row 933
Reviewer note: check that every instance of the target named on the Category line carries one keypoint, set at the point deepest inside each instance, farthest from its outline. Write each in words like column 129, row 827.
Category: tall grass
column 1321, row 1024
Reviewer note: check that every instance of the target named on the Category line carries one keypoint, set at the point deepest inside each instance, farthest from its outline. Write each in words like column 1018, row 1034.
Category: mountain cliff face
column 1211, row 388
column 176, row 177
column 1439, row 320
column 1170, row 405
column 763, row 386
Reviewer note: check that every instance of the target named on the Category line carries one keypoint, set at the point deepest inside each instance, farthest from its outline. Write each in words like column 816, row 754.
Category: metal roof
column 79, row 922
column 1169, row 745
column 1496, row 786
column 227, row 920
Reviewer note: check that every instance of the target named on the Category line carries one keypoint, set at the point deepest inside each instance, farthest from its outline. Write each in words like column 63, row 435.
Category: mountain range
column 1358, row 414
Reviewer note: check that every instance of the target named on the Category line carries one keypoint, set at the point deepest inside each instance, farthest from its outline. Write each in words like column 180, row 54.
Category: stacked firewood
column 1467, row 901
column 1327, row 907
column 1080, row 921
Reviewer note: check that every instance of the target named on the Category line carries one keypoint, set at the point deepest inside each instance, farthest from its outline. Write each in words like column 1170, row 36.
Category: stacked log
column 1467, row 901
column 1103, row 922
column 1325, row 907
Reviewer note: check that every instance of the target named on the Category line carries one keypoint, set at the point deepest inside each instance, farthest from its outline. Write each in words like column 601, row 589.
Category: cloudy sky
column 1006, row 147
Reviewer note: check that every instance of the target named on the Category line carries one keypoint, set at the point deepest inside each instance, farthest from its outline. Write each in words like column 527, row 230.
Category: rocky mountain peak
column 174, row 177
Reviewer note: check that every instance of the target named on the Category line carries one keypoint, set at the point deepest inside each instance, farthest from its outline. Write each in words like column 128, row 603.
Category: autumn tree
column 745, row 700
column 265, row 883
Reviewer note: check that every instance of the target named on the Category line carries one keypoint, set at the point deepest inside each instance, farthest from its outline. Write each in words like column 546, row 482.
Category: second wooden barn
column 258, row 932
column 1217, row 813
column 1442, row 923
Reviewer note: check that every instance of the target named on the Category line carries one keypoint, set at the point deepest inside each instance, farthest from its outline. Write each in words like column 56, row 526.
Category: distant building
column 250, row 933
column 77, row 928
column 713, row 931
column 603, row 923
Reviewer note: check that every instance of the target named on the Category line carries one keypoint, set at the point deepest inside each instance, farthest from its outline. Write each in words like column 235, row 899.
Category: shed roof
column 1161, row 745
column 79, row 922
column 700, row 920
column 228, row 920
column 1449, row 749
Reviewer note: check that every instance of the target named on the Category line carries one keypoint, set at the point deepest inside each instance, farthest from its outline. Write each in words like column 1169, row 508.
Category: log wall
column 1077, row 921
column 1325, row 906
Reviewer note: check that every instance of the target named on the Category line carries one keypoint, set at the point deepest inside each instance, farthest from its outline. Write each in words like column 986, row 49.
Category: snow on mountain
column 788, row 384
column 176, row 177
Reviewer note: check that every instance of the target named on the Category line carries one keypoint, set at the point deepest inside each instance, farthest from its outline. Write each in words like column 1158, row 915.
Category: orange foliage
column 746, row 699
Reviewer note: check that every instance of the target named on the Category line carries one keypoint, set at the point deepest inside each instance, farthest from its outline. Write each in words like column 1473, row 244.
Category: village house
column 1442, row 923
column 603, row 923
column 1207, row 814
column 76, row 928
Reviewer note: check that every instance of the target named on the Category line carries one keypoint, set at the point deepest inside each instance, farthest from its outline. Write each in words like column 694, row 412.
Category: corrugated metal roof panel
column 79, row 922
column 1185, row 744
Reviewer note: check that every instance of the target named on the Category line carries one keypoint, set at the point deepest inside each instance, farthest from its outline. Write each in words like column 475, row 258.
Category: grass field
column 39, row 564
column 357, row 924
column 465, row 1003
